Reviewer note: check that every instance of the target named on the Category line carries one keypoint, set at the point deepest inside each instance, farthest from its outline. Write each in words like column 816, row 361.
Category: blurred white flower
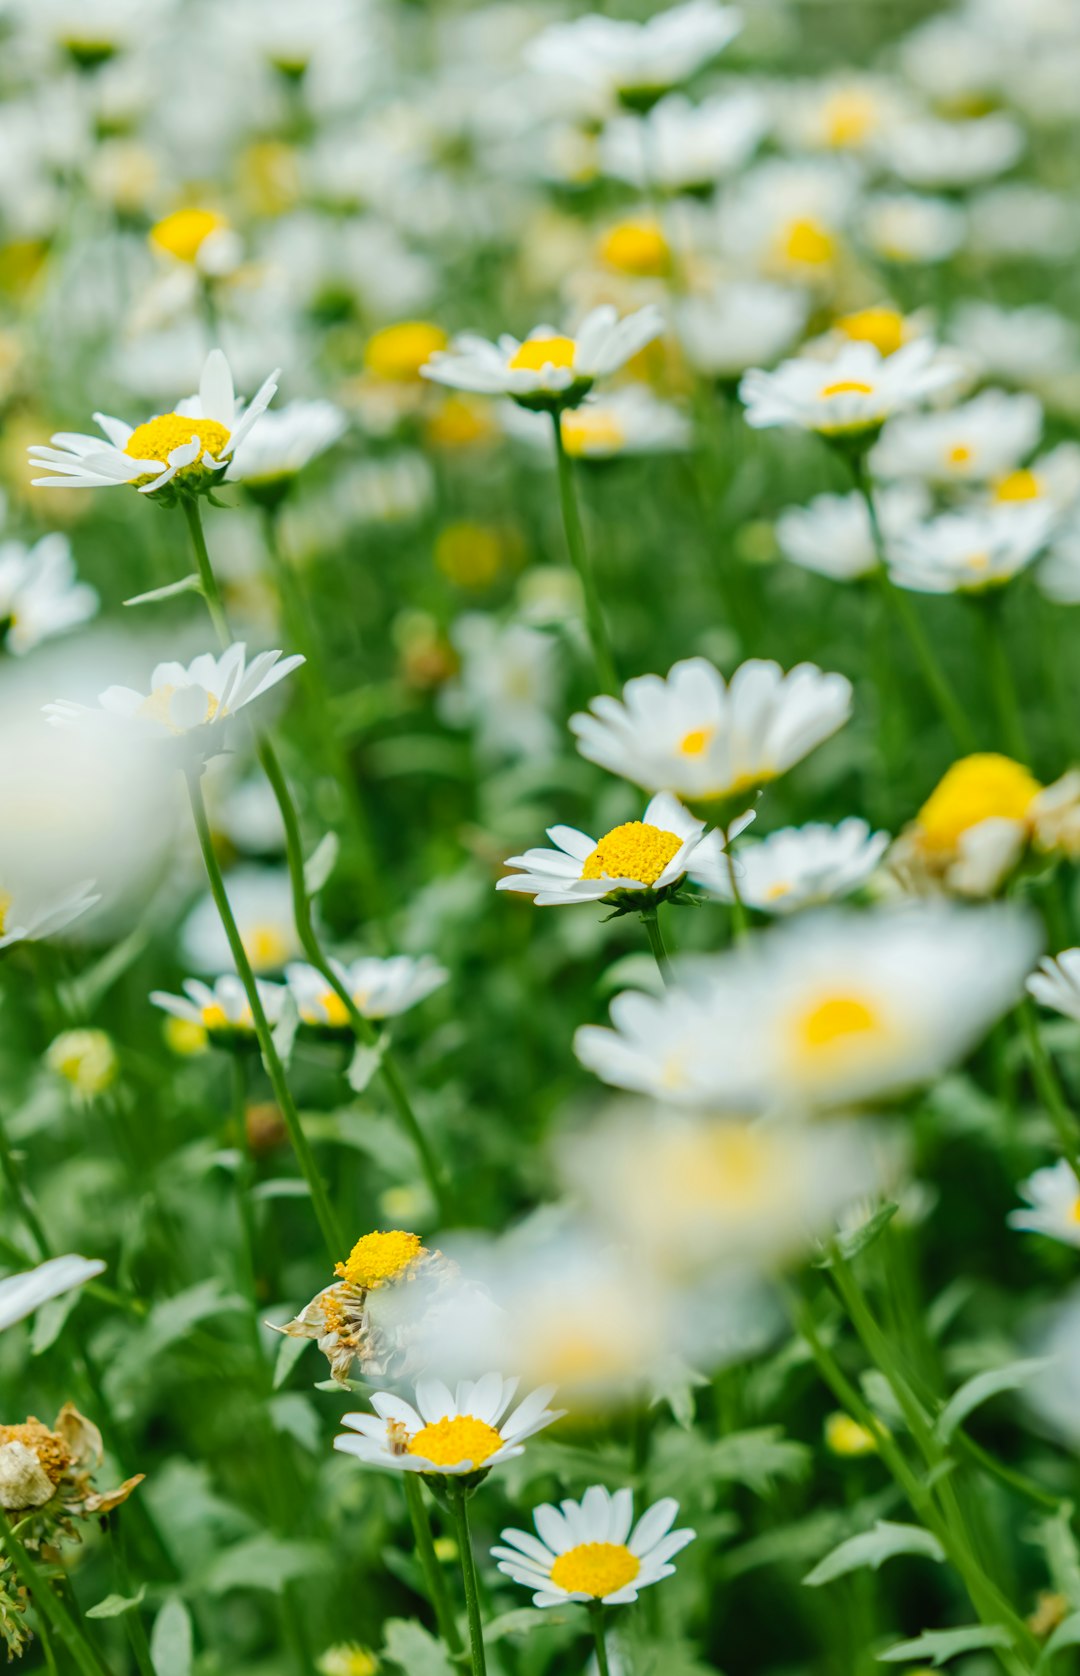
column 905, row 228
column 831, row 534
column 1056, row 983
column 970, row 551
column 739, row 324
column 506, row 688
column 261, row 901
column 285, row 441
column 798, row 866
column 1052, row 1203
column 221, row 1008
column 586, row 1550
column 29, row 917
column 1027, row 346
column 40, row 595
column 846, row 112
column 683, row 147
column 974, row 443
column 853, row 393
column 1022, row 220
column 378, row 988
column 786, row 218
column 547, row 369
column 930, row 152
column 628, row 420
column 609, row 59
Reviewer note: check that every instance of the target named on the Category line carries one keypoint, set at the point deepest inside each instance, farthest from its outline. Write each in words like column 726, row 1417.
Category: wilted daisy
column 972, row 829
column 1052, row 1203
column 222, row 1008
column 283, row 443
column 707, row 740
column 609, row 59
column 29, row 915
column 40, row 594
column 981, row 440
column 831, row 534
column 798, row 867
column 548, row 370
column 683, row 147
column 970, row 551
column 1056, row 984
column 850, row 396
column 447, row 1433
column 739, row 324
column 21, row 1294
column 191, row 445
column 586, row 1550
column 378, row 988
column 46, row 1472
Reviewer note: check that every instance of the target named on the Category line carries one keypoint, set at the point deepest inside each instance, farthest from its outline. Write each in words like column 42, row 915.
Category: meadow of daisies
column 539, row 826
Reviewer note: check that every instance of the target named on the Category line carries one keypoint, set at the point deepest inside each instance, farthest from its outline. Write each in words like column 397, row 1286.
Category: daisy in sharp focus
column 592, row 1551
column 190, row 447
column 380, row 988
column 447, row 1433
column 1052, row 1204
column 222, row 1008
column 1056, row 983
column 798, row 866
column 40, row 594
column 850, row 396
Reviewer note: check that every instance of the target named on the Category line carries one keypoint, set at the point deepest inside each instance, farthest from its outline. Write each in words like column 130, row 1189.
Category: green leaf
column 1056, row 1538
column 289, row 1353
column 675, row 1382
column 980, row 1389
column 49, row 1322
column 1067, row 1634
column 186, row 585
column 873, row 1548
column 524, row 1619
column 114, row 1606
column 364, row 1064
column 283, row 1034
column 860, row 1238
column 417, row 1653
column 938, row 1645
column 263, row 1562
column 756, row 1458
column 171, row 1640
column 321, row 863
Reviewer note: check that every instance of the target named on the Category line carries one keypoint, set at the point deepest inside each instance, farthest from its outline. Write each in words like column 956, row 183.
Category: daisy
column 586, row 1550
column 659, row 1045
column 611, row 59
column 850, row 396
column 973, row 828
column 548, row 371
column 786, row 219
column 28, row 916
column 905, row 228
column 646, row 859
column 191, row 445
column 705, row 740
column 798, row 866
column 1056, row 983
column 200, row 238
column 1025, row 346
column 222, row 1008
column 842, row 114
column 981, row 440
column 971, row 551
column 928, row 152
column 379, row 988
column 447, row 1433
column 683, row 147
column 40, row 595
column 739, row 324
column 831, row 534
column 262, row 905
column 630, row 420
column 284, row 442
column 1052, row 1203
column 21, row 1294
column 506, row 686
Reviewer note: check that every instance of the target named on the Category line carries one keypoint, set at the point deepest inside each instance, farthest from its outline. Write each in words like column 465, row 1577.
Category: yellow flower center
column 460, row 423
column 158, row 437
column 53, row 1454
column 632, row 851
column 883, row 327
column 451, row 1442
column 398, row 352
column 833, row 1021
column 844, row 1436
column 267, row 947
column 1018, row 485
column 586, row 431
column 470, row 554
column 537, row 353
column 849, row 116
column 778, row 890
column 595, row 1568
column 334, row 1009
column 806, row 243
column 848, row 387
column 636, row 247
column 982, row 787
column 157, row 706
column 6, row 900
column 697, row 741
column 379, row 1257
column 183, row 233
column 960, row 454
column 727, row 1167
column 214, row 1017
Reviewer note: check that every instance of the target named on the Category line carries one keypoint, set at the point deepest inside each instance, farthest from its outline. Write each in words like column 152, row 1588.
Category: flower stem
column 1050, row 1090
column 596, row 1613
column 49, row 1604
column 9, row 1167
column 468, row 1577
column 207, row 580
column 579, row 557
column 438, row 1592
column 274, row 1068
column 650, row 919
column 740, row 922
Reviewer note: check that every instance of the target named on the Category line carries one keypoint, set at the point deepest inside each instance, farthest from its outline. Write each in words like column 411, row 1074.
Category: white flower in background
column 629, row 420
column 933, row 153
column 261, row 900
column 86, row 1059
column 954, row 57
column 379, row 988
column 649, row 857
column 1026, row 346
column 586, row 1550
column 1055, row 1394
column 194, row 443
column 607, row 59
column 40, row 595
column 659, row 1045
column 983, row 439
column 221, row 1008
column 839, row 113
column 798, row 866
column 739, row 324
column 853, row 393
column 285, row 441
column 704, row 739
column 1051, row 479
column 1022, row 220
column 451, row 1433
column 682, row 147
column 548, row 369
column 1056, row 983
column 506, row 688
column 831, row 534
column 905, row 228
column 21, row 1294
column 200, row 238
column 970, row 551
column 972, row 829
column 882, row 324
column 1058, row 576
column 1052, row 1204
column 204, row 694
column 245, row 813
column 786, row 219
column 30, row 915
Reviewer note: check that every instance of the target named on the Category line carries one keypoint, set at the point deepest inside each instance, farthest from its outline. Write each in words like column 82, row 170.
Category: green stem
column 207, row 580
column 274, row 1068
column 999, row 668
column 245, row 1176
column 438, row 1593
column 740, row 920
column 69, row 1628
column 9, row 1166
column 650, row 919
column 140, row 1646
column 1050, row 1090
column 579, row 557
column 596, row 1614
column 468, row 1577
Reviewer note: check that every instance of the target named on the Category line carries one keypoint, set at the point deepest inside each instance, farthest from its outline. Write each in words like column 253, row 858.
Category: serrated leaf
column 364, row 1064
column 321, row 863
column 417, row 1653
column 756, row 1458
column 289, row 1353
column 263, row 1562
column 872, row 1549
column 186, row 585
column 171, row 1640
column 860, row 1238
column 980, row 1389
column 114, row 1606
column 524, row 1619
column 675, row 1383
column 939, row 1645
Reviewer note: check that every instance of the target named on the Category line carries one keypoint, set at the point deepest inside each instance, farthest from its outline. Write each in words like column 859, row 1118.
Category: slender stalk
column 740, row 923
column 71, row 1631
column 207, row 580
column 579, row 557
column 438, row 1593
column 271, row 1059
column 596, row 1614
column 650, row 919
column 1002, row 681
column 245, row 1176
column 468, row 1577
column 9, row 1167
column 136, row 1629
column 1050, row 1090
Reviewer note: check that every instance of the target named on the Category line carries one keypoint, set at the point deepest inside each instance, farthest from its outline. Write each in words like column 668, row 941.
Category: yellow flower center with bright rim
column 833, row 1022
column 267, row 947
column 1018, row 485
column 398, row 352
column 183, row 233
column 157, row 706
column 978, row 788
column 537, row 353
column 335, row 1012
column 452, row 1441
column 636, row 247
column 806, row 243
column 847, row 387
column 844, row 1436
column 960, row 454
column 158, row 437
column 595, row 1568
column 586, row 432
column 378, row 1258
column 214, row 1017
column 6, row 900
column 697, row 741
column 849, row 116
column 883, row 327
column 632, row 851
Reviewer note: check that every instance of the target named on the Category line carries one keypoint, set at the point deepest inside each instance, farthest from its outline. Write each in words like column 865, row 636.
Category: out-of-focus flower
column 972, row 829
column 284, row 442
column 628, row 420
column 379, row 988
column 1022, row 220
column 506, row 686
column 447, row 1434
column 638, row 248
column 971, row 551
column 86, row 1059
column 977, row 442
column 193, row 444
column 706, row 740
column 932, row 153
column 222, row 1008
column 906, row 228
column 1052, row 1203
column 683, row 147
column 831, row 534
column 798, row 867
column 47, row 1472
column 849, row 397
column 261, row 901
column 613, row 59
column 1056, row 983
column 26, row 916
column 846, row 1438
column 40, row 595
column 1026, row 346
column 398, row 354
column 21, row 1294
column 840, row 113
column 200, row 237
column 786, row 219
column 585, row 1550
column 739, row 324
column 1052, row 479
column 347, row 1658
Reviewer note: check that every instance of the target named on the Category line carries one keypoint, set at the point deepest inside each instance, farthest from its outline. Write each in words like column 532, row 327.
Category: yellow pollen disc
column 54, row 1456
column 595, row 1568
column 6, row 900
column 883, row 327
column 398, row 352
column 834, row 1020
column 537, row 353
column 632, row 851
column 848, row 387
column 849, row 116
column 591, row 431
column 696, row 742
column 214, row 1017
column 978, row 788
column 183, row 233
column 377, row 1258
column 807, row 243
column 777, row 890
column 335, row 1011
column 158, row 437
column 726, row 1168
column 449, row 1443
column 1018, row 485
column 267, row 947
column 960, row 454
column 460, row 423
column 636, row 247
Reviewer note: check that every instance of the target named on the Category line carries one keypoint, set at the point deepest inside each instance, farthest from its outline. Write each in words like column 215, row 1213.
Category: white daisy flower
column 629, row 420
column 1056, row 983
column 972, row 829
column 798, row 866
column 1052, row 478
column 739, row 324
column 1020, row 220
column 831, row 534
column 586, row 1550
column 1052, row 1203
column 647, row 858
column 194, row 443
column 28, row 916
column 906, row 228
column 1025, row 346
column 786, row 219
column 452, row 1433
column 850, row 395
column 658, row 1044
column 682, row 147
column 221, row 1008
column 21, row 1294
column 970, row 551
column 284, row 442
column 705, row 739
column 845, row 113
column 933, row 153
column 612, row 58
column 548, row 370
column 40, row 595
column 980, row 440
column 379, row 988
column 262, row 904
column 506, row 688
